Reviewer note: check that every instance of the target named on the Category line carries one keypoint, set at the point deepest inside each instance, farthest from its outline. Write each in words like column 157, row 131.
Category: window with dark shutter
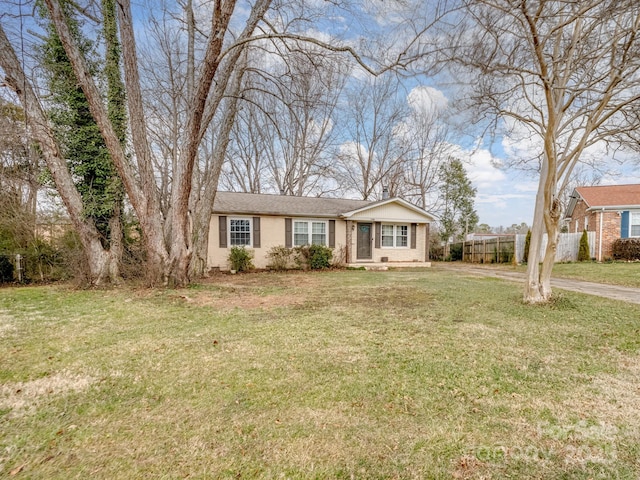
column 414, row 229
column 256, row 232
column 378, row 233
column 332, row 233
column 222, row 231
column 288, row 234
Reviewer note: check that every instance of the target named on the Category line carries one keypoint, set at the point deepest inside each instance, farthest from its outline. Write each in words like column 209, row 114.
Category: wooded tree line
column 269, row 97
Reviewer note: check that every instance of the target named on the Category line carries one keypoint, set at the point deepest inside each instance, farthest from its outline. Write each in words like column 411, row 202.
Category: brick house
column 611, row 211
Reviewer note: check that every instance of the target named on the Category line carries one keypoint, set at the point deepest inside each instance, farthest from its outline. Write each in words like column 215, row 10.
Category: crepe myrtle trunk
column 546, row 220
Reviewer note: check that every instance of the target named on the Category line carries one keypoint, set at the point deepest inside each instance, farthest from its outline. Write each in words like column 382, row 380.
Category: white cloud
column 427, row 101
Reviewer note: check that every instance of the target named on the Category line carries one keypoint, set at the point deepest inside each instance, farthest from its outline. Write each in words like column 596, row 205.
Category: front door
column 364, row 241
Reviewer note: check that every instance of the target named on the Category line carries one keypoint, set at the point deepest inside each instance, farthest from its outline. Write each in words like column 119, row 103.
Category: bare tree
column 168, row 180
column 426, row 136
column 374, row 154
column 562, row 72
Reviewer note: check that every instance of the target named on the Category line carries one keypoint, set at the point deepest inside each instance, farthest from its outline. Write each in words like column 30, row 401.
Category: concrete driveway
column 626, row 294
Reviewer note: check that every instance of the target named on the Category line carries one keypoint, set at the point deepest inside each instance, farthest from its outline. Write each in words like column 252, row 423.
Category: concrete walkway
column 626, row 294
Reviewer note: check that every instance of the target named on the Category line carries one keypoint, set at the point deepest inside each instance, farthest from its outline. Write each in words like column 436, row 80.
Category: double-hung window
column 309, row 232
column 634, row 224
column 240, row 232
column 395, row 236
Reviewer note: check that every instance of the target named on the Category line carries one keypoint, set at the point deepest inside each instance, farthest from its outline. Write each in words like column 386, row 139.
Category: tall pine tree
column 457, row 194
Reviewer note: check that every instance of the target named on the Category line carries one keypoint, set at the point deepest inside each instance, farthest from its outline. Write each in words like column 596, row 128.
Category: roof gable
column 385, row 208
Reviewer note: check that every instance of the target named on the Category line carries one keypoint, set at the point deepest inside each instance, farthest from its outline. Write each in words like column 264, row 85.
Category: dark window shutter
column 378, row 233
column 427, row 237
column 624, row 224
column 288, row 234
column 414, row 228
column 256, row 232
column 332, row 233
column 222, row 231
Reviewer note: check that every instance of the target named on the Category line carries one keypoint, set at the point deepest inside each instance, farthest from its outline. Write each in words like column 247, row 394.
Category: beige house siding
column 390, row 212
column 272, row 234
column 393, row 254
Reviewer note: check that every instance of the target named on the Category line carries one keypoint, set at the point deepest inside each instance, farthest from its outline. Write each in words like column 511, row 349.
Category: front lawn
column 344, row 374
column 626, row 274
column 615, row 273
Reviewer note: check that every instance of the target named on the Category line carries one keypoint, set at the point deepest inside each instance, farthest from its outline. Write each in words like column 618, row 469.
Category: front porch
column 388, row 265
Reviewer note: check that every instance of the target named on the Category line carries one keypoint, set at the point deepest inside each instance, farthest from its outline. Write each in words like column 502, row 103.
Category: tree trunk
column 97, row 258
column 533, row 292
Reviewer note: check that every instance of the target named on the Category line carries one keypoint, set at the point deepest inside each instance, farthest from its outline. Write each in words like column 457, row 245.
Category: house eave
column 428, row 218
column 278, row 214
column 612, row 208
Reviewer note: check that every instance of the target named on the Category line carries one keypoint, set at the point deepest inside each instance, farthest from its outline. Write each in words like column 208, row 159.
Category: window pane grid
column 634, row 220
column 309, row 232
column 240, row 232
column 395, row 236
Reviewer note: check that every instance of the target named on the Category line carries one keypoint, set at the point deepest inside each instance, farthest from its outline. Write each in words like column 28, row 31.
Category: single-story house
column 611, row 211
column 363, row 232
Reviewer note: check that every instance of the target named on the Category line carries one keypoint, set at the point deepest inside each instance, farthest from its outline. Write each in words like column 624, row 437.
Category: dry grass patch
column 23, row 397
column 406, row 375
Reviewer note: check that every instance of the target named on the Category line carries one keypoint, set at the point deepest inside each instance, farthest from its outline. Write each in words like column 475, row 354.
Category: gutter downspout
column 600, row 240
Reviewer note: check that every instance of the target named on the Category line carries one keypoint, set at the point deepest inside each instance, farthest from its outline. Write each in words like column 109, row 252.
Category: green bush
column 626, row 249
column 506, row 254
column 455, row 252
column 527, row 245
column 280, row 258
column 583, row 251
column 240, row 259
column 6, row 269
column 314, row 257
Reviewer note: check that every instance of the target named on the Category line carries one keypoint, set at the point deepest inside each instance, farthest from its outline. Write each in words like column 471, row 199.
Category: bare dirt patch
column 237, row 298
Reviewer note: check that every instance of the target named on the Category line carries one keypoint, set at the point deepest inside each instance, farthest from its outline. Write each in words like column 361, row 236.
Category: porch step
column 388, row 265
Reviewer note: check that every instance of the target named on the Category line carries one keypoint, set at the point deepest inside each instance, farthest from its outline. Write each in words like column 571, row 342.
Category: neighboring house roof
column 607, row 197
column 271, row 204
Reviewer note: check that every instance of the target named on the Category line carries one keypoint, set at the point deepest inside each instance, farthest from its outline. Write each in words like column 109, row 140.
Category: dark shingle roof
column 268, row 204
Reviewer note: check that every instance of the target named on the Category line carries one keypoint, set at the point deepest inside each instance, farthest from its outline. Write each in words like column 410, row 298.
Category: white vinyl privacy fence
column 511, row 248
column 568, row 246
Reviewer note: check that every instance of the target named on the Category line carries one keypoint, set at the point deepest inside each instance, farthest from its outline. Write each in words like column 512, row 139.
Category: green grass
column 618, row 273
column 331, row 375
column 613, row 273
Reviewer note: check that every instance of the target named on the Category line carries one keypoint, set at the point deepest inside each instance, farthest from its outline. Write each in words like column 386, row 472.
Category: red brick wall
column 610, row 227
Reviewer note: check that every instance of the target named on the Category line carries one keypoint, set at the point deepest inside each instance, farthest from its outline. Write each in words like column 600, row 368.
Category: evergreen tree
column 584, row 255
column 457, row 194
column 527, row 244
column 77, row 132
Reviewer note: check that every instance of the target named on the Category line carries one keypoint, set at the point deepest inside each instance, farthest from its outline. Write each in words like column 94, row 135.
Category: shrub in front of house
column 314, row 257
column 626, row 249
column 281, row 258
column 240, row 259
